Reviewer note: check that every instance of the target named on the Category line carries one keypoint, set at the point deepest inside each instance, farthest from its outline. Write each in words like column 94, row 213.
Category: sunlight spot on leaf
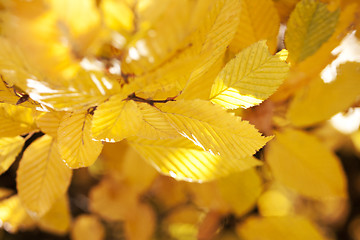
column 347, row 123
column 91, row 64
column 39, row 87
column 118, row 40
column 115, row 68
column 134, row 53
column 348, row 50
column 97, row 83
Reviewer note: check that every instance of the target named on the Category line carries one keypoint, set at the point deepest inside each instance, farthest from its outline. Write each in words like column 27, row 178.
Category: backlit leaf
column 118, row 15
column 259, row 20
column 13, row 215
column 81, row 19
column 214, row 36
column 183, row 160
column 274, row 228
column 310, row 25
column 319, row 101
column 15, row 120
column 76, row 147
column 49, row 122
column 248, row 79
column 161, row 31
column 301, row 162
column 57, row 219
column 42, row 176
column 9, row 94
column 183, row 231
column 87, row 89
column 14, row 67
column 116, row 119
column 198, row 120
column 9, row 149
column 155, row 125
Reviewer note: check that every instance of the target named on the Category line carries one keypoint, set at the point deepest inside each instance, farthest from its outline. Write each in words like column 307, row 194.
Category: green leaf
column 310, row 25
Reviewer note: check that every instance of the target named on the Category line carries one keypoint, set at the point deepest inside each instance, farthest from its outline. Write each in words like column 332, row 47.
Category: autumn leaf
column 183, row 160
column 309, row 26
column 319, row 101
column 248, row 79
column 76, row 147
column 13, row 215
column 9, row 150
column 15, row 120
column 258, row 21
column 293, row 227
column 229, row 138
column 42, row 176
column 116, row 119
column 318, row 174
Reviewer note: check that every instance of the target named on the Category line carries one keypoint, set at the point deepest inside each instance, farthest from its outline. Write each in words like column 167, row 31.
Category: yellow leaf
column 213, row 129
column 42, row 176
column 141, row 223
column 276, row 203
column 300, row 162
column 183, row 231
column 274, row 228
column 113, row 200
column 319, row 101
column 80, row 21
column 248, row 79
column 214, row 36
column 259, row 20
column 15, row 120
column 118, row 15
column 49, row 122
column 10, row 94
column 122, row 160
column 183, row 160
column 87, row 227
column 116, row 119
column 243, row 197
column 310, row 25
column 76, row 147
column 9, row 149
column 161, row 30
column 41, row 41
column 323, row 56
column 5, row 192
column 155, row 125
column 200, row 88
column 57, row 219
column 284, row 8
column 355, row 137
column 13, row 215
column 14, row 67
column 87, row 89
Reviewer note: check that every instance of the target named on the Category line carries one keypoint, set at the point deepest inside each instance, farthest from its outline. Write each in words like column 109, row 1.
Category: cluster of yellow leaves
column 170, row 82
